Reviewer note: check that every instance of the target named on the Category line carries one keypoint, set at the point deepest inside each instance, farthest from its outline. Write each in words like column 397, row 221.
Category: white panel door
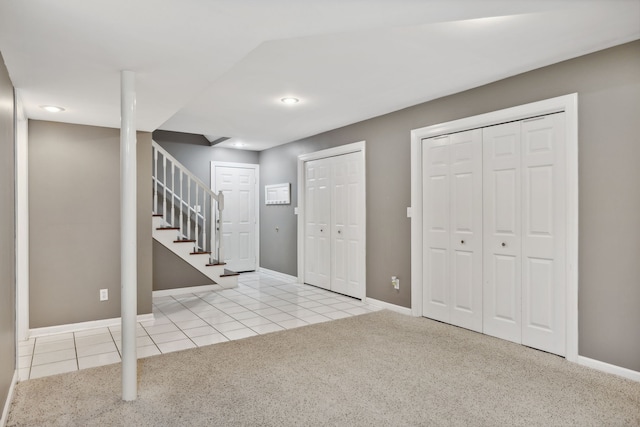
column 436, row 232
column 465, row 248
column 502, row 231
column 452, row 186
column 317, row 223
column 347, row 205
column 543, row 234
column 239, row 216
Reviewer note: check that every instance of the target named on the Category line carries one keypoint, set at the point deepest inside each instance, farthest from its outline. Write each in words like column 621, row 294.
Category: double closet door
column 494, row 236
column 334, row 224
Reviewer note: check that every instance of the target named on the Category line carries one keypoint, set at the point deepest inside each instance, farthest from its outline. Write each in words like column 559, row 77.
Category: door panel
column 239, row 215
column 339, row 206
column 317, row 217
column 347, row 228
column 502, row 224
column 452, row 185
column 436, row 232
column 465, row 245
column 544, row 236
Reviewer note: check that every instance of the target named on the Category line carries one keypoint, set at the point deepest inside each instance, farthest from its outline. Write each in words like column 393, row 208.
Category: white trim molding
column 322, row 154
column 83, row 326
column 566, row 103
column 7, row 403
column 256, row 168
column 388, row 306
column 608, row 368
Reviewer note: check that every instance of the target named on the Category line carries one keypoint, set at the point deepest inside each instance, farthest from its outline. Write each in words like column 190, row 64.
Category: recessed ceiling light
column 290, row 100
column 239, row 144
column 52, row 108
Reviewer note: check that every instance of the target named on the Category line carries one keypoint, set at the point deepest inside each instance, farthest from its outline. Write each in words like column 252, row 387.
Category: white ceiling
column 220, row 67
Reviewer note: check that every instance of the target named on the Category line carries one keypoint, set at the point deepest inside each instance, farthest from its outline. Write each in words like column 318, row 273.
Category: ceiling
column 220, row 67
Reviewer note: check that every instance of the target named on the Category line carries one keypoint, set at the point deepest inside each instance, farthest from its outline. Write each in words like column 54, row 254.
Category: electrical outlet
column 395, row 282
column 104, row 294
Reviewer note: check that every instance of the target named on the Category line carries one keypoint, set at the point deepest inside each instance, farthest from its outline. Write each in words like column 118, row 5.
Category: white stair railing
column 187, row 203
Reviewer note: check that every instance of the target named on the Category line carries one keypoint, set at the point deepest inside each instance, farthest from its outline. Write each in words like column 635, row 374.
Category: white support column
column 128, row 234
column 22, row 223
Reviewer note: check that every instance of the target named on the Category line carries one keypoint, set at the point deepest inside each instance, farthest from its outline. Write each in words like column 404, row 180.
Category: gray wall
column 74, row 204
column 608, row 84
column 7, row 236
column 194, row 152
column 171, row 272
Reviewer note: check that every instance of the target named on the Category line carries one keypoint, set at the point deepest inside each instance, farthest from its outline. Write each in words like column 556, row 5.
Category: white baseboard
column 81, row 326
column 278, row 275
column 608, row 368
column 7, row 403
column 388, row 306
column 187, row 290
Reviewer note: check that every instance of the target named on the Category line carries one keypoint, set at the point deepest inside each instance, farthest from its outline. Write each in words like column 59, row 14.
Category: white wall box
column 497, row 245
column 277, row 194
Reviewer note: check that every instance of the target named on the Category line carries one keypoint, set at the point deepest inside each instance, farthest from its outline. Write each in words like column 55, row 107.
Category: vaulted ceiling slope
column 220, row 67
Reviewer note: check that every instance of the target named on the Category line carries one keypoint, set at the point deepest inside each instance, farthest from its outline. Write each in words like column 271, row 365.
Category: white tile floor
column 262, row 303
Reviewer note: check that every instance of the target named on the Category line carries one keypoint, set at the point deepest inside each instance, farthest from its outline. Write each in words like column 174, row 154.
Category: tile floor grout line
column 75, row 347
column 174, row 324
column 114, row 341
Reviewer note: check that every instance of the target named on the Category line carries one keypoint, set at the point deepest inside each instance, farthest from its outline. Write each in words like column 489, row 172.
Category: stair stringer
column 167, row 238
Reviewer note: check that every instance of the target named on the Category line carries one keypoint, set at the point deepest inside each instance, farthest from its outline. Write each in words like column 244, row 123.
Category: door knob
column 504, row 244
column 462, row 241
column 321, row 230
column 339, row 231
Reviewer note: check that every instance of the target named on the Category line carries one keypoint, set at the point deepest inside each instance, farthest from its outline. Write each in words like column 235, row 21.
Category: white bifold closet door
column 334, row 226
column 525, row 236
column 453, row 229
column 494, row 239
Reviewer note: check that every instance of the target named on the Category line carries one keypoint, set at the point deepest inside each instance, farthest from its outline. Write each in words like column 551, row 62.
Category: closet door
column 317, row 223
column 436, row 230
column 347, row 204
column 543, row 234
column 502, row 231
column 465, row 247
column 452, row 188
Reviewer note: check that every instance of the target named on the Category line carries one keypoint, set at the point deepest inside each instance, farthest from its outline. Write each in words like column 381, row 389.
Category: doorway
column 568, row 255
column 331, row 219
column 239, row 184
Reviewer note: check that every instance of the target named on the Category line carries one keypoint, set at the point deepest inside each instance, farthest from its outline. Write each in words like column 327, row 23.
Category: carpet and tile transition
column 378, row 369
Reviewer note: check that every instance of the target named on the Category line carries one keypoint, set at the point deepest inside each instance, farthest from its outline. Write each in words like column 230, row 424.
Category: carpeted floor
column 378, row 369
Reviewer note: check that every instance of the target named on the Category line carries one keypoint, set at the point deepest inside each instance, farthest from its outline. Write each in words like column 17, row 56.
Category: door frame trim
column 567, row 104
column 256, row 168
column 322, row 154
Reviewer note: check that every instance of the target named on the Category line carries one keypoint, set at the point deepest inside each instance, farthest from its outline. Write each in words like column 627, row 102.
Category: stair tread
column 215, row 263
column 199, row 253
column 157, row 215
column 168, row 228
column 184, row 241
column 228, row 273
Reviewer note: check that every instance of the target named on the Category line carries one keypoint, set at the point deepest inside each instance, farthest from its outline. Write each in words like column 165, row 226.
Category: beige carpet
column 379, row 369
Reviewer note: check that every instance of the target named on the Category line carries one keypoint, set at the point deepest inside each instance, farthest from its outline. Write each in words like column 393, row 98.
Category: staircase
column 185, row 211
